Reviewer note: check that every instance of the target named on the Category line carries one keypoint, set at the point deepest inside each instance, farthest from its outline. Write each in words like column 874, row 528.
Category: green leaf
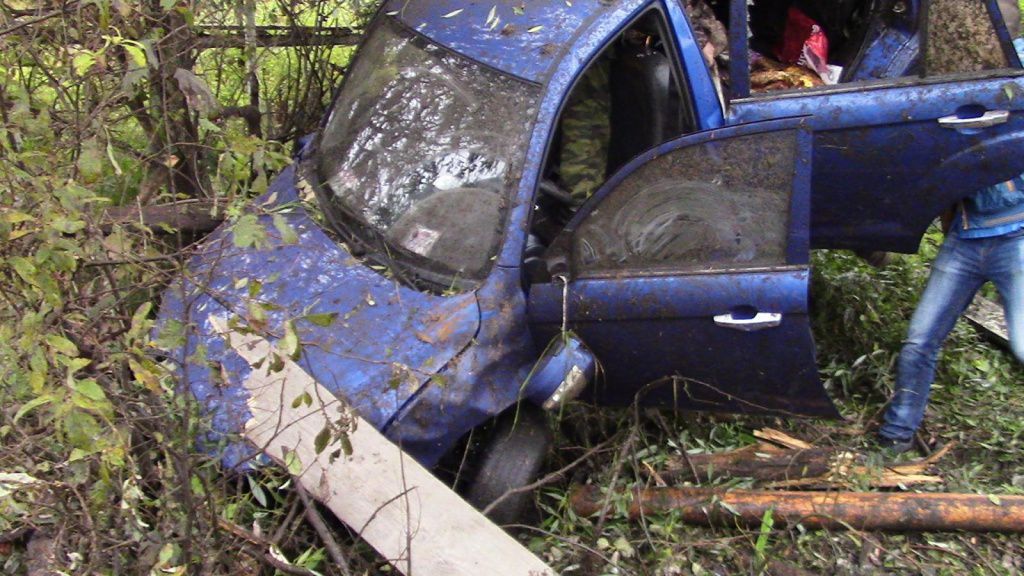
column 15, row 217
column 302, row 399
column 624, row 547
column 288, row 234
column 346, row 444
column 290, row 345
column 32, row 405
column 276, row 363
column 137, row 54
column 90, row 389
column 24, row 268
column 171, row 335
column 82, row 430
column 90, row 161
column 82, row 62
column 292, row 463
column 207, row 125
column 257, row 314
column 257, row 491
column 169, row 550
column 767, row 522
column 140, row 319
column 247, row 231
column 62, row 345
column 79, row 453
column 322, row 439
column 75, row 364
column 323, row 320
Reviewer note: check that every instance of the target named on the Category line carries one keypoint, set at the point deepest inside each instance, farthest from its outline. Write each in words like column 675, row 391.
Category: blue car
column 440, row 259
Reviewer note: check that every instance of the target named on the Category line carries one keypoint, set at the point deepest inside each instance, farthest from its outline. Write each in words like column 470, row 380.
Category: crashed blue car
column 438, row 265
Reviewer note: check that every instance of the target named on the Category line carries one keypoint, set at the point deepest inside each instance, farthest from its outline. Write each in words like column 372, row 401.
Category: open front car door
column 687, row 275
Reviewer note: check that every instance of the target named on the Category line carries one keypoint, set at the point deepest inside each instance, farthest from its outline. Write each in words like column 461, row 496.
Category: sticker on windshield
column 420, row 240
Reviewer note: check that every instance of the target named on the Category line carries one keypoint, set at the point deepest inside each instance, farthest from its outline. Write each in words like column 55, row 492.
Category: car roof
column 525, row 39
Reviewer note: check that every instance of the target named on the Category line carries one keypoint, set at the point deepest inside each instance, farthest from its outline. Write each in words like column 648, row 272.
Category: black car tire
column 513, row 458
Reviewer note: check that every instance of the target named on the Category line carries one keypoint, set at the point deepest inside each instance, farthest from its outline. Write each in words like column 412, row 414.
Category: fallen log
column 758, row 462
column 897, row 511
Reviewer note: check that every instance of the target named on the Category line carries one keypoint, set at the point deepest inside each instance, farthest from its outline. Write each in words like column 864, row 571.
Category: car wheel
column 511, row 459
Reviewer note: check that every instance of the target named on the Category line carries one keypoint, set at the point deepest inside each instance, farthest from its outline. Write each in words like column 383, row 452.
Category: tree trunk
column 176, row 135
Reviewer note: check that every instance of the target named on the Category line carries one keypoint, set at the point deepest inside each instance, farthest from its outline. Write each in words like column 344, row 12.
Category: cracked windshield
column 425, row 150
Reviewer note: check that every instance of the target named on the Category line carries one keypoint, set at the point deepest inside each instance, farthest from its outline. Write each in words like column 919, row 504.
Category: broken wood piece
column 895, row 476
column 813, row 468
column 900, row 511
column 782, row 439
column 845, row 471
column 409, row 516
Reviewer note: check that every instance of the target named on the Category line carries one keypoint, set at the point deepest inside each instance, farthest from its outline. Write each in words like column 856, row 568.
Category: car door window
column 720, row 205
column 962, row 37
column 807, row 45
column 628, row 99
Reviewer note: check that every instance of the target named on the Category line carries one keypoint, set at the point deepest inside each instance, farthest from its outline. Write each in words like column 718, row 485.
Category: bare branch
column 274, row 36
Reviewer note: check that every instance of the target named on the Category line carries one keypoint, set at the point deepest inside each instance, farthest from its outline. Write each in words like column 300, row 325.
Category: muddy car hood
column 367, row 338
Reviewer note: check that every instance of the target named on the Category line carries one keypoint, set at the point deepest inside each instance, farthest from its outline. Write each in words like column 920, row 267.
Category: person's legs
column 954, row 279
column 1006, row 271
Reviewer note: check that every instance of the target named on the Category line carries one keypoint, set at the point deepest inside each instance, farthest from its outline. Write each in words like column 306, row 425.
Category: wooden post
column 410, row 517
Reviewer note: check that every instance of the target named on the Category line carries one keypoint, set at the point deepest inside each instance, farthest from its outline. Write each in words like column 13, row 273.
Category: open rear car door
column 929, row 109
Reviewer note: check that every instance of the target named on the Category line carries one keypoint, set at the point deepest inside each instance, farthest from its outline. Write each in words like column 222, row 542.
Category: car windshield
column 423, row 149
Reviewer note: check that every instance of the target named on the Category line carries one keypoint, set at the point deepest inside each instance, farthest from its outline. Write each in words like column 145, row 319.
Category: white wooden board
column 988, row 316
column 410, row 517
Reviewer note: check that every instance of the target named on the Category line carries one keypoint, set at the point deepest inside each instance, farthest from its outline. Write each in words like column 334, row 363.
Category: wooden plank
column 410, row 517
column 988, row 316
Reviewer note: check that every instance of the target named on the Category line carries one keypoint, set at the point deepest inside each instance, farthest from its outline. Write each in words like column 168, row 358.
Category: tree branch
column 274, row 36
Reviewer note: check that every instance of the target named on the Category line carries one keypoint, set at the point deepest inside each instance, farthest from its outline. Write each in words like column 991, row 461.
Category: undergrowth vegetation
column 99, row 472
column 860, row 316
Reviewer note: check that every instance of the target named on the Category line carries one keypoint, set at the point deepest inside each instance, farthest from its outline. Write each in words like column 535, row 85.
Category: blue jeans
column 961, row 267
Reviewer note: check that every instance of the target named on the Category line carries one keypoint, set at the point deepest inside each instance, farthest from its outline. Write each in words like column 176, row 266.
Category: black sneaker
column 892, row 446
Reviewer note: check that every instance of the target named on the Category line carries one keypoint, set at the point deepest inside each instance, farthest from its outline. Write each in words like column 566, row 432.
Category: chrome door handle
column 759, row 321
column 986, row 120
